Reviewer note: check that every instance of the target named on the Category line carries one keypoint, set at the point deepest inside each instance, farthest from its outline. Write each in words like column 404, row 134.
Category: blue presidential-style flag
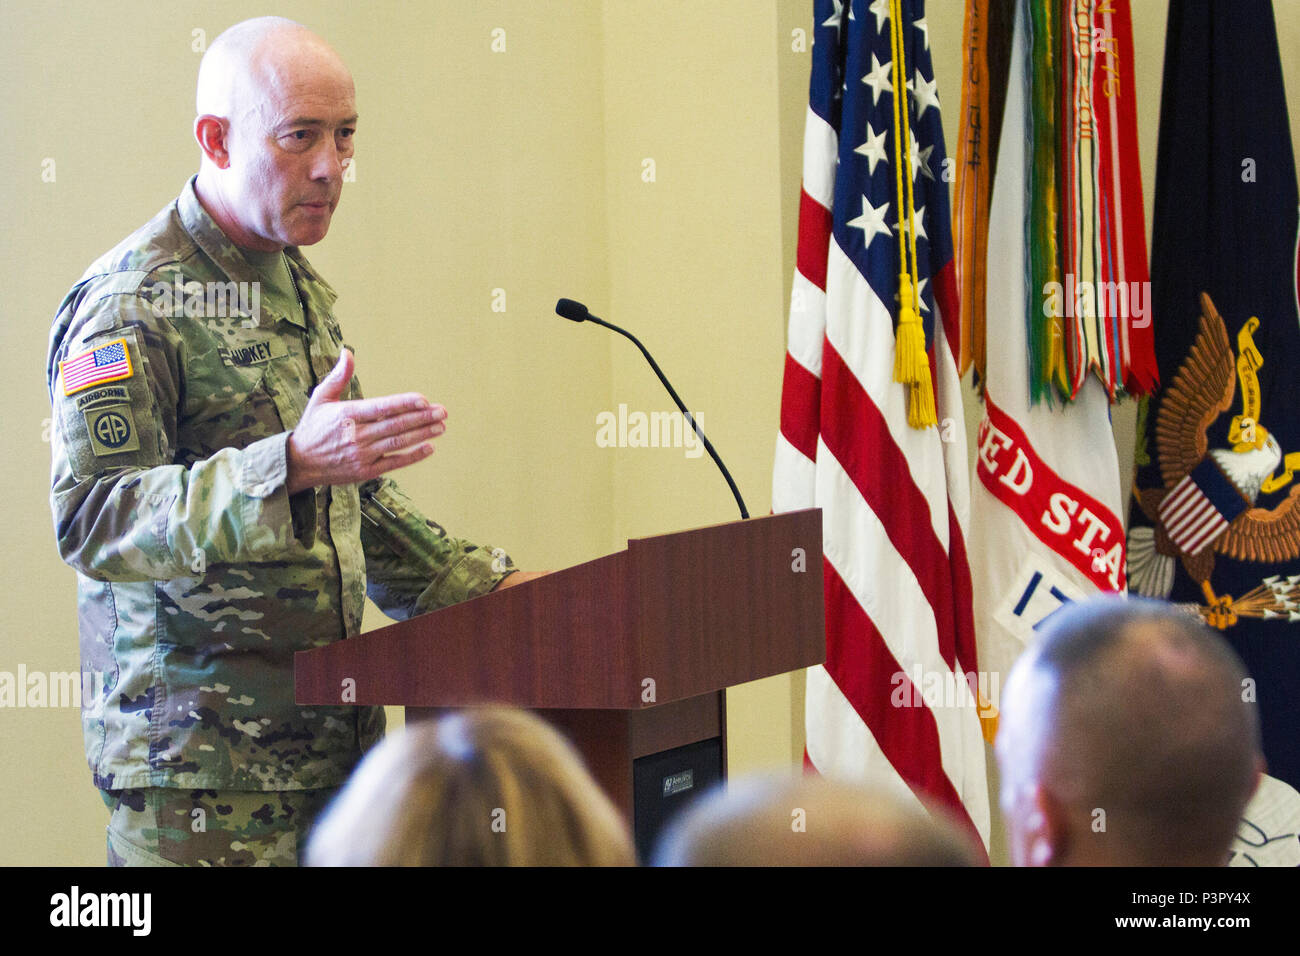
column 871, row 423
column 1215, row 520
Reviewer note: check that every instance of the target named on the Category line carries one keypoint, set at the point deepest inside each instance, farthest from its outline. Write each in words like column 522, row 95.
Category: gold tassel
column 988, row 715
column 920, row 402
column 911, row 364
column 909, row 352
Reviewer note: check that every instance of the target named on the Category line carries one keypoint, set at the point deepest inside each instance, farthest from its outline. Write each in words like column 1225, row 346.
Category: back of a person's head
column 1135, row 719
column 810, row 821
column 486, row 786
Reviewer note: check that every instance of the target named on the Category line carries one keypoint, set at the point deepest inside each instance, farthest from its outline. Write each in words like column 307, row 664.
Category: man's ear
column 1045, row 831
column 211, row 132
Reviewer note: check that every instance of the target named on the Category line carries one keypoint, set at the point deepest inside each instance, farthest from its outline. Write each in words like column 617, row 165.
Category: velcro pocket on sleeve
column 105, row 407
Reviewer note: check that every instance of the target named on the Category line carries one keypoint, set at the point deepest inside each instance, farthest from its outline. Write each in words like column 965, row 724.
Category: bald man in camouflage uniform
column 219, row 481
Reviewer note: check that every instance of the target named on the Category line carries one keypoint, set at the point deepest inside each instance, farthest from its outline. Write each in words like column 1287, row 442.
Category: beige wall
column 695, row 266
column 477, row 171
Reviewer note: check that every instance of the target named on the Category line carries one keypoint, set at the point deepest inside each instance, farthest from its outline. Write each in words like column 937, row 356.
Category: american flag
column 895, row 498
column 107, row 363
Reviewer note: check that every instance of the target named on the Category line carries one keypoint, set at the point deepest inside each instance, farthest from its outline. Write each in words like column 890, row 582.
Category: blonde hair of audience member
column 487, row 786
column 810, row 821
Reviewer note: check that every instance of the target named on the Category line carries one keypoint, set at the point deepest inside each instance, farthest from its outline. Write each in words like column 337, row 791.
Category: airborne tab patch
column 115, row 394
column 107, row 363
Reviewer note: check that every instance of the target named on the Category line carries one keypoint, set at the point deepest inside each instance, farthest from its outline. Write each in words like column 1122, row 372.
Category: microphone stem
column 708, row 446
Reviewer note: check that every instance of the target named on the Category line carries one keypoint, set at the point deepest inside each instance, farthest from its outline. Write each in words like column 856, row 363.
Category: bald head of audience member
column 810, row 821
column 486, row 786
column 1127, row 738
column 276, row 117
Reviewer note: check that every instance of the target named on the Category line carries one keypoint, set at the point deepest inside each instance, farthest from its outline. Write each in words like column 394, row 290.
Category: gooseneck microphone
column 577, row 312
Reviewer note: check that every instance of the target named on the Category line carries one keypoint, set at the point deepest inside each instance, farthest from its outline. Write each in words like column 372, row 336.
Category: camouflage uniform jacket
column 198, row 575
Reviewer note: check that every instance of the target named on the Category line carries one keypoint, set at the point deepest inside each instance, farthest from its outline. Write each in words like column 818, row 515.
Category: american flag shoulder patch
column 104, row 363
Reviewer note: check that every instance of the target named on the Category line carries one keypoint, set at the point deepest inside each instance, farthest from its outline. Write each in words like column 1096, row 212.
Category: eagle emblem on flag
column 1207, row 506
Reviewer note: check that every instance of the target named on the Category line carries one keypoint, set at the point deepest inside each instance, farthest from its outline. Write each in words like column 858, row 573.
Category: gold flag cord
column 911, row 363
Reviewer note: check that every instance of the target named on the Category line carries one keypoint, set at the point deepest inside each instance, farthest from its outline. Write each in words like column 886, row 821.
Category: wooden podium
column 630, row 655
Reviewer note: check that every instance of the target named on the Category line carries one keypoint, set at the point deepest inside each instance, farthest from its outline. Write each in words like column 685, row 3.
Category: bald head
column 256, row 58
column 276, row 113
column 810, row 821
column 1125, row 738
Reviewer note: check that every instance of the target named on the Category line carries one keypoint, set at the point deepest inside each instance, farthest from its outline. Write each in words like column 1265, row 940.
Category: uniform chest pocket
column 234, row 395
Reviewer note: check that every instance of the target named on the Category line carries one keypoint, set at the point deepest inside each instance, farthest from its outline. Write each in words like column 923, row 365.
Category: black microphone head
column 571, row 310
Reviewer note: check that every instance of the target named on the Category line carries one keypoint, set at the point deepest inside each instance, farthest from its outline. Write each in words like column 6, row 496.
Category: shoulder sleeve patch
column 111, row 430
column 110, row 362
column 108, row 424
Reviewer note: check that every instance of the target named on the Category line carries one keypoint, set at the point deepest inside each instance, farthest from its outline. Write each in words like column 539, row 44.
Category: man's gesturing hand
column 343, row 443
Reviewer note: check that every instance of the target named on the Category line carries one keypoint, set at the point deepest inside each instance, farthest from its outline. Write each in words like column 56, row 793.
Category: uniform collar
column 209, row 237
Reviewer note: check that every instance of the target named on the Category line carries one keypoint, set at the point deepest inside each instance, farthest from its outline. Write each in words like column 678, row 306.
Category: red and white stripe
column 1190, row 518
column 895, row 506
